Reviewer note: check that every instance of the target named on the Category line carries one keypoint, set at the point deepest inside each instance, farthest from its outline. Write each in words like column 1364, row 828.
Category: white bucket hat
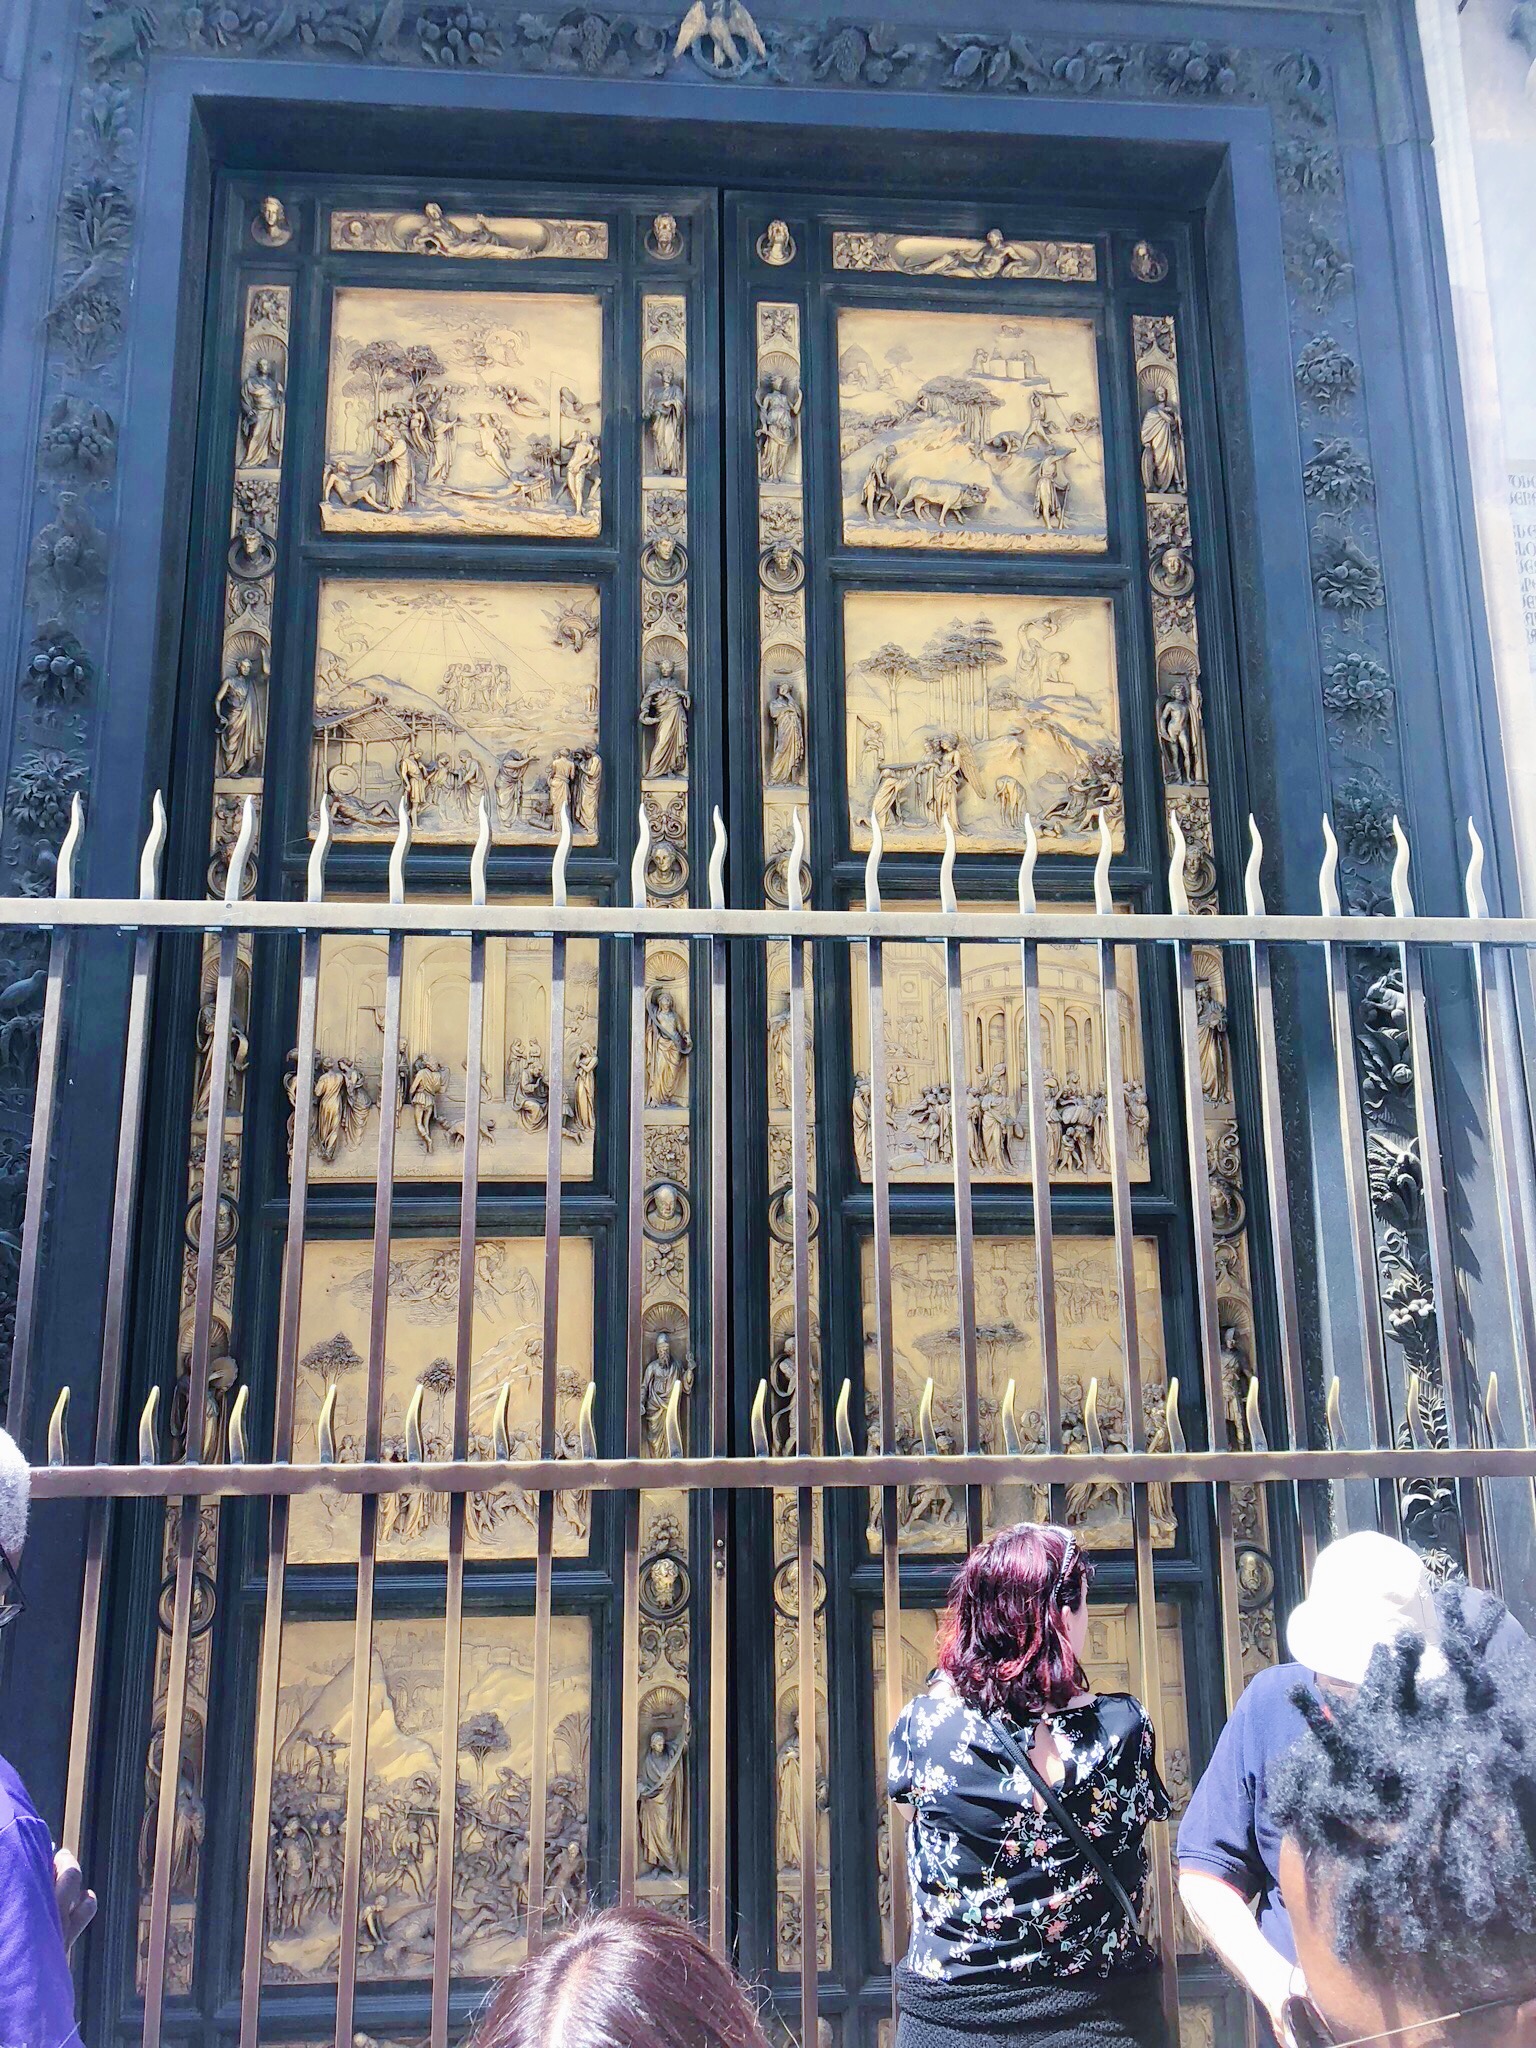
column 1366, row 1590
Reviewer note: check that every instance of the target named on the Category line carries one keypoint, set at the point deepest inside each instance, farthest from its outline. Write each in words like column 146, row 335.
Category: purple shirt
column 37, row 1994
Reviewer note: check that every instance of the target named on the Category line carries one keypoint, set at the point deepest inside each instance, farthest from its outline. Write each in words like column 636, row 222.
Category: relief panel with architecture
column 917, row 1087
column 969, row 430
column 980, row 708
column 463, row 412
column 924, row 1291
column 441, row 694
column 429, row 1091
column 506, row 1352
column 494, row 1767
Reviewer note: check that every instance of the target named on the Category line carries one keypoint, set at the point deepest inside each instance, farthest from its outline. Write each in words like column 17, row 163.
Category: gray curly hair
column 15, row 1496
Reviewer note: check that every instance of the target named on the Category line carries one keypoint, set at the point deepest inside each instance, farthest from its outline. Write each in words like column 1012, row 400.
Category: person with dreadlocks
column 1366, row 1589
column 1408, row 1863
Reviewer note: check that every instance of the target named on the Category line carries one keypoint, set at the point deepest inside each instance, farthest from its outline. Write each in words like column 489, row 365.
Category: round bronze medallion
column 205, row 1600
column 781, row 1214
column 665, row 1211
column 786, row 1588
column 781, row 568
column 664, row 1585
column 664, row 561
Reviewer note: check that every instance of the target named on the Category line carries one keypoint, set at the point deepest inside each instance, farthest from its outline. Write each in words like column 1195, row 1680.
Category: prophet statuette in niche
column 664, row 417
column 668, row 1043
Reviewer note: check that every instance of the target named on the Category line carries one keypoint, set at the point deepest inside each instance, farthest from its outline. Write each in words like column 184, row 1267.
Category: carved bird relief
column 714, row 25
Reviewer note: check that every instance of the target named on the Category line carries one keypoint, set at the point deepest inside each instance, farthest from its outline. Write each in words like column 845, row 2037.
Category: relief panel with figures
column 927, row 1346
column 442, row 694
column 429, row 1090
column 506, row 1351
column 463, row 413
column 979, row 708
column 494, row 1767
column 917, row 1113
column 969, row 430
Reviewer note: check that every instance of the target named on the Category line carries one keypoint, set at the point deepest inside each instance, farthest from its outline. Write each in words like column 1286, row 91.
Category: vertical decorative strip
column 1185, row 764
column 784, row 741
column 663, row 1851
column 239, row 711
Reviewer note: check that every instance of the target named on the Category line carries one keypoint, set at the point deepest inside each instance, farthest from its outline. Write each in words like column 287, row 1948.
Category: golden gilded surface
column 993, row 255
column 443, row 693
column 969, row 430
column 429, row 1091
column 494, row 1768
column 463, row 412
column 926, row 1345
column 980, row 707
column 997, row 1111
column 506, row 1350
column 432, row 230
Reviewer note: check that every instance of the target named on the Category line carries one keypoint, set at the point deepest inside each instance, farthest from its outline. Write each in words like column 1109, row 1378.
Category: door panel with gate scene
column 477, row 460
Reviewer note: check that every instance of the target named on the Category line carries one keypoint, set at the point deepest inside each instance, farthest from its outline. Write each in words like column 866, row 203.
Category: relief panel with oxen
column 443, row 693
column 400, row 1849
column 969, row 430
column 980, row 708
column 463, row 412
column 506, row 1352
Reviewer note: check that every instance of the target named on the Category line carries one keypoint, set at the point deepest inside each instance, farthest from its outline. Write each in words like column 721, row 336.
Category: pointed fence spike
column 1257, row 1440
column 315, row 887
column 1336, row 1437
column 1178, row 891
column 238, row 1451
column 641, row 861
column 947, row 872
column 58, row 1431
column 1103, row 895
column 1027, row 867
column 1091, row 1429
column 843, row 1425
column 234, row 881
column 557, row 888
column 925, row 1428
column 1010, row 1420
column 64, row 872
column 872, row 867
column 672, row 1421
column 760, row 1420
column 586, row 1421
column 1402, row 895
column 501, row 1434
column 1253, row 880
column 415, row 1449
column 149, row 1429
column 325, row 1427
column 793, row 887
column 154, row 843
column 1178, row 1443
column 401, row 848
column 1328, row 873
column 1477, row 899
column 1491, row 1415
column 482, row 853
column 1416, row 1430
column 717, row 861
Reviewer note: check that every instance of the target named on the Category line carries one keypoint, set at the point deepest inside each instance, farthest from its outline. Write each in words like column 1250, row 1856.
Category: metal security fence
column 1440, row 1420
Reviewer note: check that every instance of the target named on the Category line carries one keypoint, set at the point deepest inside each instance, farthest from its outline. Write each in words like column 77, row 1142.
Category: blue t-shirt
column 37, row 1994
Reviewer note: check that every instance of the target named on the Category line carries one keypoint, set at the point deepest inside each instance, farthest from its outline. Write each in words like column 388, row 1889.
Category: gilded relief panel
column 432, row 230
column 977, row 709
column 494, row 1770
column 917, row 1105
column 506, row 1352
column 441, row 694
column 970, row 430
column 463, row 412
column 428, row 1091
column 1109, row 1658
column 927, row 1347
column 995, row 255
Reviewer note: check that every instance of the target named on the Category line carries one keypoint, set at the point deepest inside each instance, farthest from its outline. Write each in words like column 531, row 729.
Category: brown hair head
column 624, row 1978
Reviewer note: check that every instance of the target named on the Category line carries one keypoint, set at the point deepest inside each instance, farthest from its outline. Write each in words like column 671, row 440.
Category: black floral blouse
column 998, row 1891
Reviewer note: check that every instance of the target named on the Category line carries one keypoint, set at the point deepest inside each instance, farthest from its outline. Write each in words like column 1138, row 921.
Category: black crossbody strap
column 1068, row 1825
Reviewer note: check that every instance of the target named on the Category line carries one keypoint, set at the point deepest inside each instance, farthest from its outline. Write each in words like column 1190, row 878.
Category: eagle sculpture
column 718, row 23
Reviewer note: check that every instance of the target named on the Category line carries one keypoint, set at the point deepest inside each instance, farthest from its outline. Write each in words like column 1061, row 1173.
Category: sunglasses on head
column 1303, row 2026
column 12, row 1600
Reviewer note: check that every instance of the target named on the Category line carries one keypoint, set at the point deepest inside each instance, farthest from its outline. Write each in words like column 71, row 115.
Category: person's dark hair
column 1003, row 1637
column 628, row 1977
column 1414, row 1808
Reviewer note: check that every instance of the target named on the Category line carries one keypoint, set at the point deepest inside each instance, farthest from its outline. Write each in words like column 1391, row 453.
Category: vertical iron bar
column 629, row 1717
column 719, row 1421
column 965, row 1246
column 458, row 1503
column 1040, row 1179
column 1509, row 1174
column 368, row 1519
column 39, row 1164
column 278, row 1511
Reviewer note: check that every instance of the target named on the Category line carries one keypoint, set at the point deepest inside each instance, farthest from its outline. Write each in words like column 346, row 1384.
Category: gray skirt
column 1120, row 2011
